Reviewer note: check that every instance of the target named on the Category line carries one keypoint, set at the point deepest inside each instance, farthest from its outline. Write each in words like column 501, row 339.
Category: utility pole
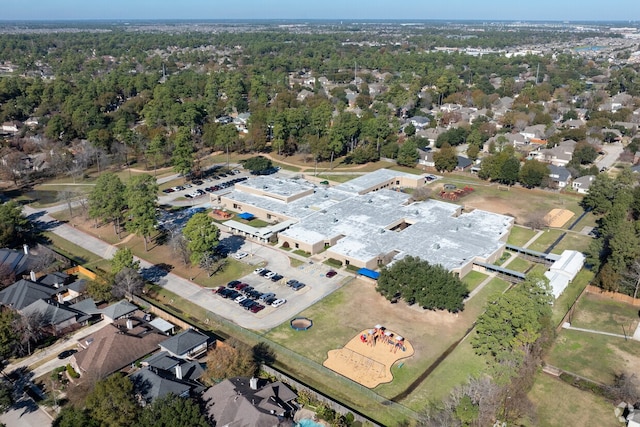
column 537, row 73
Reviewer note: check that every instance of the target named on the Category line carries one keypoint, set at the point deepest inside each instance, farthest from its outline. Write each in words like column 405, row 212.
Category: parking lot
column 313, row 275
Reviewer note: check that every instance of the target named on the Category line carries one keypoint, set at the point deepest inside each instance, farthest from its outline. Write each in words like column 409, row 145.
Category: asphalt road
column 612, row 153
column 317, row 287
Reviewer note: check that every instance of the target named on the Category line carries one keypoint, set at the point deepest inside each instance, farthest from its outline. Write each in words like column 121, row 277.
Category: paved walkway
column 593, row 331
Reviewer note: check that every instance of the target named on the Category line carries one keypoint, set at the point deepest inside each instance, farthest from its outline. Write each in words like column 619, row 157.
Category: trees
column 408, row 153
column 142, row 196
column 183, row 148
column 514, row 321
column 415, row 280
column 230, row 359
column 71, row 416
column 14, row 226
column 127, row 282
column 8, row 334
column 201, row 234
column 123, row 258
column 257, row 164
column 446, row 159
column 112, row 402
column 533, row 173
column 172, row 411
column 107, row 200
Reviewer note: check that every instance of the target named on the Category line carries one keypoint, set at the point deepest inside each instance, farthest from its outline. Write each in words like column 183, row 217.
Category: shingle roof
column 24, row 293
column 87, row 306
column 56, row 278
column 152, row 384
column 184, row 341
column 52, row 312
column 112, row 348
column 119, row 309
column 233, row 402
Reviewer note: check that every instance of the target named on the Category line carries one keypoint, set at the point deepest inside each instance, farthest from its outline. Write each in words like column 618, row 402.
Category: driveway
column 612, row 153
column 317, row 287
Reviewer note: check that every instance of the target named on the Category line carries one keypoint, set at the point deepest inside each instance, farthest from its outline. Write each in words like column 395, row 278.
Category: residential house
column 534, row 132
column 419, row 122
column 249, row 402
column 58, row 317
column 241, row 122
column 25, row 292
column 19, row 262
column 559, row 175
column 115, row 347
column 119, row 310
column 425, row 158
column 560, row 155
column 463, row 163
column 188, row 344
column 574, row 124
column 11, row 127
column 163, row 374
column 432, row 134
column 582, row 184
column 303, row 94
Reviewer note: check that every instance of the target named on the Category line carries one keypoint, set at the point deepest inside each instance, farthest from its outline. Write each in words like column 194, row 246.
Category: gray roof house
column 189, row 369
column 241, row 402
column 582, row 184
column 151, row 383
column 57, row 316
column 463, row 163
column 559, row 175
column 186, row 345
column 24, row 293
column 118, row 310
column 18, row 262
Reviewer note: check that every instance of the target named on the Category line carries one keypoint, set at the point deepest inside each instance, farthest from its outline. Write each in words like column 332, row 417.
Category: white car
column 240, row 299
column 270, row 274
column 278, row 302
column 240, row 255
column 258, row 270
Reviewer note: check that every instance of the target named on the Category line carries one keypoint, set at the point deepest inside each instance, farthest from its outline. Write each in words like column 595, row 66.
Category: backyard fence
column 616, row 296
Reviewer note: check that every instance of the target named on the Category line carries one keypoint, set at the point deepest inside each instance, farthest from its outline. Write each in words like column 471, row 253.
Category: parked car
column 270, row 274
column 168, row 190
column 264, row 272
column 67, row 353
column 248, row 303
column 256, row 308
column 276, row 277
column 266, row 296
column 240, row 255
column 297, row 286
column 291, row 282
column 233, row 283
column 331, row 273
column 270, row 301
column 240, row 298
column 278, row 303
column 258, row 270
column 241, row 286
column 218, row 289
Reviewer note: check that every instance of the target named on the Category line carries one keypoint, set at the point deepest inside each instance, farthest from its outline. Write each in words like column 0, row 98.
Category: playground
column 452, row 193
column 368, row 357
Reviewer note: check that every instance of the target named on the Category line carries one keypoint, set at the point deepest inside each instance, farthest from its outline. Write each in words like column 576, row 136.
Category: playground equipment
column 455, row 194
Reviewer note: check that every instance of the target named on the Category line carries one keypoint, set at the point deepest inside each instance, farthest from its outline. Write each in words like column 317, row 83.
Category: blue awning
column 369, row 273
column 246, row 215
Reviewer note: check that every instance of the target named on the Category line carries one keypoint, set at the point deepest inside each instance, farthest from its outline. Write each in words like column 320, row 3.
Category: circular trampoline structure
column 301, row 323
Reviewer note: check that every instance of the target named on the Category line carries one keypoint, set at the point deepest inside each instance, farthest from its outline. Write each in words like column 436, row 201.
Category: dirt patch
column 369, row 356
column 558, row 217
column 630, row 362
column 496, row 205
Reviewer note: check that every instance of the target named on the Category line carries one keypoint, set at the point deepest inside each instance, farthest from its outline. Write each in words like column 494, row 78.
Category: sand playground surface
column 558, row 217
column 367, row 359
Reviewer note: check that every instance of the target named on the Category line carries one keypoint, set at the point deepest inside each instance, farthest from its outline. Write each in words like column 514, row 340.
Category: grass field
column 570, row 295
column 559, row 404
column 473, row 279
column 520, row 235
column 519, row 264
column 574, row 241
column 595, row 356
column 543, row 242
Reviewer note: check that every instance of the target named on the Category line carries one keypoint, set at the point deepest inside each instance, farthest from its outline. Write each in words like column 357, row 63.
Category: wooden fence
column 616, row 296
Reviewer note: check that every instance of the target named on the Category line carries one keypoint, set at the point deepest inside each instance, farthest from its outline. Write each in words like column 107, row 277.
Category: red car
column 241, row 286
column 331, row 273
column 256, row 308
column 218, row 289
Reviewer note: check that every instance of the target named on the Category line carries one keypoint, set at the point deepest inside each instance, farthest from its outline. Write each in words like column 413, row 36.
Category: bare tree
column 7, row 276
column 631, row 279
column 67, row 197
column 180, row 246
column 536, row 220
column 30, row 329
column 128, row 282
column 421, row 194
column 626, row 387
column 212, row 263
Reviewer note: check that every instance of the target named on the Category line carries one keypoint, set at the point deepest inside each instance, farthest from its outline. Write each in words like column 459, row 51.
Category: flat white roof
column 363, row 223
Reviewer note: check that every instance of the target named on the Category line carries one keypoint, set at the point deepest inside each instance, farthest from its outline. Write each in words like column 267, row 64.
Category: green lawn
column 543, row 242
column 519, row 264
column 597, row 357
column 75, row 253
column 605, row 315
column 562, row 305
column 461, row 363
column 573, row 241
column 520, row 235
column 473, row 279
column 560, row 404
column 337, row 178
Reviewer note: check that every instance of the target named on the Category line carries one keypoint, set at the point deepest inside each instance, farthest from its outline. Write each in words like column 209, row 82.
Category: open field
column 570, row 295
column 574, row 241
column 543, row 242
column 519, row 264
column 559, row 404
column 520, row 235
column 461, row 363
column 598, row 357
column 473, row 279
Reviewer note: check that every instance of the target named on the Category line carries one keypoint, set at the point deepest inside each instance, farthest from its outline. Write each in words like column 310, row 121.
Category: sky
column 556, row 10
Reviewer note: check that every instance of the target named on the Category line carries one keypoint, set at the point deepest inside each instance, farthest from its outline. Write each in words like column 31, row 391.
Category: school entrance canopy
column 369, row 273
column 246, row 216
